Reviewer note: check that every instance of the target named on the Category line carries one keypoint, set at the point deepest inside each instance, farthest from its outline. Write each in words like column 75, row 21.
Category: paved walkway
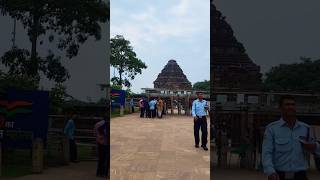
column 79, row 171
column 156, row 149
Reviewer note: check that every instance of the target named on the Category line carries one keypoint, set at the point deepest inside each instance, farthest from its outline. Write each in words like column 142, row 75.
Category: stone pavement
column 156, row 149
column 79, row 171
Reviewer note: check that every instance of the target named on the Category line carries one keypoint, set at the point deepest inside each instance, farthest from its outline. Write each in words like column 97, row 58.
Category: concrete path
column 79, row 171
column 156, row 149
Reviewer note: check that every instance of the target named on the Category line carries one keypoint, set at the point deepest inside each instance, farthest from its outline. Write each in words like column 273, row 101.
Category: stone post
column 171, row 105
column 121, row 110
column 37, row 155
column 188, row 105
column 65, row 151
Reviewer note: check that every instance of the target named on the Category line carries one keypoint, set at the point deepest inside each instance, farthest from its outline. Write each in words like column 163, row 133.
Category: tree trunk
column 120, row 79
column 120, row 76
column 34, row 38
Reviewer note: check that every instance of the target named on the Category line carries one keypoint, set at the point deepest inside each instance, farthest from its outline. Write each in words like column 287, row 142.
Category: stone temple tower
column 231, row 67
column 172, row 77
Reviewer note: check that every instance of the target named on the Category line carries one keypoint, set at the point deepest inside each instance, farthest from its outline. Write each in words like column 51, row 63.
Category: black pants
column 102, row 160
column 148, row 113
column 301, row 175
column 73, row 150
column 132, row 109
column 142, row 110
column 201, row 123
column 153, row 113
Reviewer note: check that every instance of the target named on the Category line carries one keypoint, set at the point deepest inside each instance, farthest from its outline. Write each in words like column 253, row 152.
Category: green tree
column 67, row 23
column 15, row 81
column 57, row 97
column 302, row 76
column 125, row 60
column 115, row 86
column 203, row 85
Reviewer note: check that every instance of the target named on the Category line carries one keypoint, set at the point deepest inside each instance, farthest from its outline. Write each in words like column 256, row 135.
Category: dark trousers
column 142, row 111
column 132, row 109
column 73, row 150
column 201, row 123
column 153, row 113
column 301, row 175
column 148, row 113
column 102, row 158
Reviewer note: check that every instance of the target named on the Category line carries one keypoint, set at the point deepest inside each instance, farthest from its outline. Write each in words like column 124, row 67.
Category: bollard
column 65, row 152
column 37, row 155
column 121, row 110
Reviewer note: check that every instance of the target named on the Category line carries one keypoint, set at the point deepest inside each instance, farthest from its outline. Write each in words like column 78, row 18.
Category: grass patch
column 16, row 163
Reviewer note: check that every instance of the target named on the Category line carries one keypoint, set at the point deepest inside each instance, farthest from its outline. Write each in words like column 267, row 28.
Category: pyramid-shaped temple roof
column 172, row 77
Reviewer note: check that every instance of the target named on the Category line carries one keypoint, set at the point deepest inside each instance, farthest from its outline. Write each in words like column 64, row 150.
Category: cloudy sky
column 274, row 31
column 160, row 30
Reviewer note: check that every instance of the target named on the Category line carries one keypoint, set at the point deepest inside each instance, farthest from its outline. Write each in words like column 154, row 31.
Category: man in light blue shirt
column 287, row 144
column 199, row 113
column 69, row 130
column 152, row 105
column 132, row 105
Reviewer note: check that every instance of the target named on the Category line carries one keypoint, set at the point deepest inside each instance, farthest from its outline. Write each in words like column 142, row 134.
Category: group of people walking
column 153, row 108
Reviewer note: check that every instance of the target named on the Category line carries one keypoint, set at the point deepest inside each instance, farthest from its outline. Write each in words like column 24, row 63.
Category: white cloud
column 178, row 29
column 183, row 20
column 181, row 8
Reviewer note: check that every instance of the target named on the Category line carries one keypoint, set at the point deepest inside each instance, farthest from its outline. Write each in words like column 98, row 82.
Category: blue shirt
column 69, row 129
column 131, row 102
column 152, row 104
column 198, row 108
column 282, row 150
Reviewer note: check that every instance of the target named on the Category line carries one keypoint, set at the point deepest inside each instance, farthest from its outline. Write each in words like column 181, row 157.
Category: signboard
column 23, row 117
column 118, row 97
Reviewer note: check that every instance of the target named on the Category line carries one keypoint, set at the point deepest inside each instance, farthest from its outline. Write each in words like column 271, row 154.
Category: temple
column 240, row 107
column 231, row 66
column 172, row 77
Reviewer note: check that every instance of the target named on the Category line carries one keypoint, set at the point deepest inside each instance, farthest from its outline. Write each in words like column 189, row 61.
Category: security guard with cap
column 287, row 145
column 199, row 112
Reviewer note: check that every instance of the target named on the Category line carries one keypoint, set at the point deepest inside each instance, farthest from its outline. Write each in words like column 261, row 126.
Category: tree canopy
column 202, row 85
column 302, row 76
column 66, row 23
column 125, row 60
column 20, row 82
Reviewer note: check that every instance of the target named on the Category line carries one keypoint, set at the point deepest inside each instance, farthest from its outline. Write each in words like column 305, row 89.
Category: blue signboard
column 118, row 97
column 23, row 117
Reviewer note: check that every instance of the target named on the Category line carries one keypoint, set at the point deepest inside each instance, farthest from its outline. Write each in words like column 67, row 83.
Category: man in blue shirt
column 152, row 105
column 287, row 144
column 199, row 113
column 69, row 130
column 132, row 105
